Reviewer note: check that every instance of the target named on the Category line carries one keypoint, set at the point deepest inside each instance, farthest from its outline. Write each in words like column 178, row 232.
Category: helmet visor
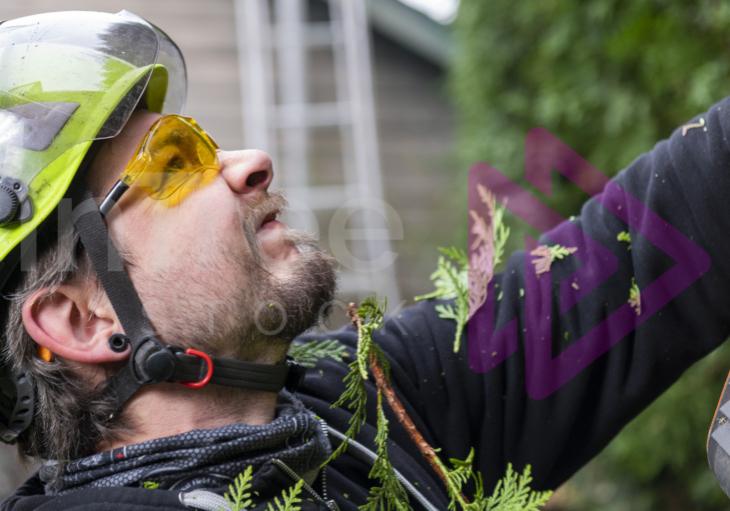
column 73, row 77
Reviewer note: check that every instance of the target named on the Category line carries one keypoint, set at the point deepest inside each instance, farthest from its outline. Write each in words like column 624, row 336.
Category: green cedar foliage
column 511, row 494
column 452, row 282
column 290, row 499
column 239, row 498
column 501, row 233
column 558, row 252
column 390, row 494
column 625, row 236
column 634, row 291
column 449, row 280
column 308, row 354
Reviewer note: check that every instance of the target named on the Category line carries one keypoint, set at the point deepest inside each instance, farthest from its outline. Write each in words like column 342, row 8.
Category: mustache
column 256, row 208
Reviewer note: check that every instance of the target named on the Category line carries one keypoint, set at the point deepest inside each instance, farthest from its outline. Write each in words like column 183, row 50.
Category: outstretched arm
column 685, row 181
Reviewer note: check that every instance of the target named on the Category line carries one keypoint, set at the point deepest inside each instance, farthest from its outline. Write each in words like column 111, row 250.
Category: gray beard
column 264, row 314
column 277, row 311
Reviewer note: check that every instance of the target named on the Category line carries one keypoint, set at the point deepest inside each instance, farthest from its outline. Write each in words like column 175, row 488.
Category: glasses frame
column 122, row 185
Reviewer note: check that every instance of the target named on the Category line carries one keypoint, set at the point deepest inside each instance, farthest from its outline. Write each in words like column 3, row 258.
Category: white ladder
column 280, row 126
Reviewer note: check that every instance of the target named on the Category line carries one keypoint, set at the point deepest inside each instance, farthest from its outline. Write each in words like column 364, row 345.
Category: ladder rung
column 320, row 198
column 311, row 115
column 368, row 283
column 315, row 34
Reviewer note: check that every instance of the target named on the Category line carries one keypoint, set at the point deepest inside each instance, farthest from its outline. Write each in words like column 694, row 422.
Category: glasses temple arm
column 112, row 197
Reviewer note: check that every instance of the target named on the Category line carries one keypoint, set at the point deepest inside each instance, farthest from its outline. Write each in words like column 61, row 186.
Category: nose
column 246, row 171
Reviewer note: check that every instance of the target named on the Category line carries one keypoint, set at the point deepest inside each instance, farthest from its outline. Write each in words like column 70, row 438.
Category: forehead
column 115, row 153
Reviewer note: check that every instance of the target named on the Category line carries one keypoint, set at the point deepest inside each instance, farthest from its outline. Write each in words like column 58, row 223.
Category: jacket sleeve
column 685, row 180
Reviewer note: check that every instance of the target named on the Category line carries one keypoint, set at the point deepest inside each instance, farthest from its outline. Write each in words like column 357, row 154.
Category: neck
column 168, row 409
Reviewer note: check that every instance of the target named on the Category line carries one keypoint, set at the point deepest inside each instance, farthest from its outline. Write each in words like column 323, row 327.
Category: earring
column 118, row 343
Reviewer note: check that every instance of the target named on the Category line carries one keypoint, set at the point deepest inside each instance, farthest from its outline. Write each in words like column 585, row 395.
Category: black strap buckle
column 151, row 361
column 209, row 373
column 295, row 378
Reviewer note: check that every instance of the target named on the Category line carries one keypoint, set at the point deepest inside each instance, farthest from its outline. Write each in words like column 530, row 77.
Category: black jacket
column 686, row 181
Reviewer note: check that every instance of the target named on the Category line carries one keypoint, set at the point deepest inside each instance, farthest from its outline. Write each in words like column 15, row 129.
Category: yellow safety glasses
column 175, row 157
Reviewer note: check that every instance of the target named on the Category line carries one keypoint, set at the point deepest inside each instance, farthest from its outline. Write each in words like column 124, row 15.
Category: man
column 219, row 277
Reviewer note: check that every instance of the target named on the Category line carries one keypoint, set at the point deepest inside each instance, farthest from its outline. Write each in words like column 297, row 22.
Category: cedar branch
column 384, row 386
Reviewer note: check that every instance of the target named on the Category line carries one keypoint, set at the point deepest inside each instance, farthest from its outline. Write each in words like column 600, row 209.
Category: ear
column 67, row 324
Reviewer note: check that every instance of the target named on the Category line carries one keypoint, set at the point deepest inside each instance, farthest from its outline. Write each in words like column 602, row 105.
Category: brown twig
column 384, row 386
column 355, row 319
column 403, row 417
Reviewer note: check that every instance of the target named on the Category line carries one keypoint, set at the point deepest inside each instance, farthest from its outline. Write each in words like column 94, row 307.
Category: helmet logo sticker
column 34, row 126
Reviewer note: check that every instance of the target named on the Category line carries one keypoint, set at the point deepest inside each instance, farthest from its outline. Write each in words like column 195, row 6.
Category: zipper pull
column 295, row 477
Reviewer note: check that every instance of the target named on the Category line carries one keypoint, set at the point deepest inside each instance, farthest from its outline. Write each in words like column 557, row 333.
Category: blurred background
column 373, row 112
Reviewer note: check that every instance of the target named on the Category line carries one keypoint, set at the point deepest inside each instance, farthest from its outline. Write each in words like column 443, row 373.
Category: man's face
column 214, row 269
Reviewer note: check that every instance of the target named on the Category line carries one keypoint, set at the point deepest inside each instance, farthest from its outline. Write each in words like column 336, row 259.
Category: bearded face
column 236, row 299
column 216, row 271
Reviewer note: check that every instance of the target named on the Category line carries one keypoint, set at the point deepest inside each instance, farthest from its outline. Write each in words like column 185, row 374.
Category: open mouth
column 269, row 220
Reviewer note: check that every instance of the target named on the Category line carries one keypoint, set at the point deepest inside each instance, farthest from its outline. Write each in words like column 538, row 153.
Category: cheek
column 207, row 221
column 194, row 233
column 151, row 238
column 161, row 236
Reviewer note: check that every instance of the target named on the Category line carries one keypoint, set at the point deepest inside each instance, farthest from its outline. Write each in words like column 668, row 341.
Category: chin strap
column 156, row 363
column 150, row 360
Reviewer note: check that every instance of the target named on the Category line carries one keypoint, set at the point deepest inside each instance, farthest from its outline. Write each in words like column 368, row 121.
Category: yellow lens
column 174, row 151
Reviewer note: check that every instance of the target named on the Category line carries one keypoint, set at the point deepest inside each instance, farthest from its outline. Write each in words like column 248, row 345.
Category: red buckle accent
column 204, row 381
